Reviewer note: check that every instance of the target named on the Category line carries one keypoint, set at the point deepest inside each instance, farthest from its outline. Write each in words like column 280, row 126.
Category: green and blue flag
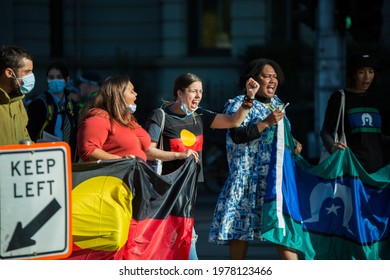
column 333, row 210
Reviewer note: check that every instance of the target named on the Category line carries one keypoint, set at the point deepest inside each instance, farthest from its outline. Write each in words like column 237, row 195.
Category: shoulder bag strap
column 161, row 146
column 341, row 118
column 48, row 101
column 343, row 138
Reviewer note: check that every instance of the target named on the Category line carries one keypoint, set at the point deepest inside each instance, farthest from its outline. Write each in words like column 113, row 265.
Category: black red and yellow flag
column 122, row 209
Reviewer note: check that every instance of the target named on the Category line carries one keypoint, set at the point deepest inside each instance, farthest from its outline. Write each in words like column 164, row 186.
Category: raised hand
column 251, row 87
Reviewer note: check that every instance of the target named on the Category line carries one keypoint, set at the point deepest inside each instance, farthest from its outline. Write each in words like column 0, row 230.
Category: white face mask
column 132, row 107
column 28, row 83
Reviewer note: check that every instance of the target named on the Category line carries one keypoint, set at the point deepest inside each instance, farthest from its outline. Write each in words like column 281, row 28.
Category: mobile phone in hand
column 283, row 107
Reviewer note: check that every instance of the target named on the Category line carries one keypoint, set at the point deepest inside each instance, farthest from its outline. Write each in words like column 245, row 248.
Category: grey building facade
column 153, row 41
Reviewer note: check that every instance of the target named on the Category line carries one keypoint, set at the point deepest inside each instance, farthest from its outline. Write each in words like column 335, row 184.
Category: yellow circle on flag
column 187, row 137
column 101, row 213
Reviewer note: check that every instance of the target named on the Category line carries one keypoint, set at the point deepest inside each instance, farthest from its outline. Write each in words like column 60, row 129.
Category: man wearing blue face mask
column 16, row 80
column 53, row 114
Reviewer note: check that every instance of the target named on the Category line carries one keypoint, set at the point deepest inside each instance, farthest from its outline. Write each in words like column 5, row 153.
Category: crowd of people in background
column 95, row 116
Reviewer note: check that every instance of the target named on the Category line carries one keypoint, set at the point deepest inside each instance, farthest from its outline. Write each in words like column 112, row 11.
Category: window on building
column 209, row 27
column 56, row 28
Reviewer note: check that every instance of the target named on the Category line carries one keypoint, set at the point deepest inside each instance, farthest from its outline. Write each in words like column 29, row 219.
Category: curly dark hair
column 254, row 69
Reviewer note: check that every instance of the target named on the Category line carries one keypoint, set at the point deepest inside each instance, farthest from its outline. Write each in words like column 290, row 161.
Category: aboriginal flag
column 333, row 210
column 122, row 209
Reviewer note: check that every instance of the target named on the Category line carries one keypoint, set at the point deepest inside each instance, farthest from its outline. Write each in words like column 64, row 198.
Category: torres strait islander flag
column 333, row 210
column 122, row 210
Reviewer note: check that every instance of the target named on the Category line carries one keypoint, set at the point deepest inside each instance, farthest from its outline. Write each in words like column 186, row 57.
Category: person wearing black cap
column 364, row 126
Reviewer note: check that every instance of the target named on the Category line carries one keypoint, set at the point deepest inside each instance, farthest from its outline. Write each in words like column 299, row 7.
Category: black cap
column 360, row 60
column 91, row 78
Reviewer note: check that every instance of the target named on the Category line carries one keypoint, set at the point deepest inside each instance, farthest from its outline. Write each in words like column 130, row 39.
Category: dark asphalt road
column 204, row 209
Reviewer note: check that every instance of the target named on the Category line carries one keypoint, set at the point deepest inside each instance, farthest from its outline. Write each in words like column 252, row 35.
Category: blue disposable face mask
column 185, row 110
column 56, row 86
column 132, row 107
column 28, row 83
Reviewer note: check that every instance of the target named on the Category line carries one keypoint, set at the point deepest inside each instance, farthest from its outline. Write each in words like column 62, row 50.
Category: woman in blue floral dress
column 237, row 216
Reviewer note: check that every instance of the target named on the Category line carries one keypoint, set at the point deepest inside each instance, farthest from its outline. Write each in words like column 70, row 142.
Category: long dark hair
column 110, row 99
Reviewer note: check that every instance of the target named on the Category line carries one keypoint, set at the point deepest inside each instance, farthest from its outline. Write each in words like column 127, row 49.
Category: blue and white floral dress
column 239, row 207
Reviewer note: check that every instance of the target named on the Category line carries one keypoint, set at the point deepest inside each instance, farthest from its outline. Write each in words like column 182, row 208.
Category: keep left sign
column 35, row 204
